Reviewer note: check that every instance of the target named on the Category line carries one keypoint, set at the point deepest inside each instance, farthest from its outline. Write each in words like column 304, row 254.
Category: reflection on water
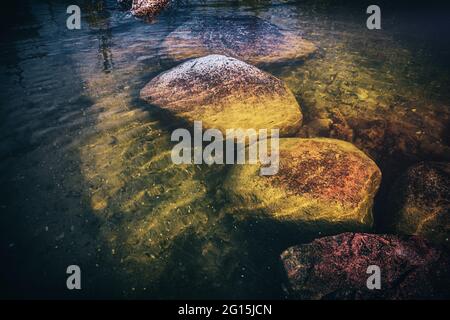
column 85, row 165
column 98, row 20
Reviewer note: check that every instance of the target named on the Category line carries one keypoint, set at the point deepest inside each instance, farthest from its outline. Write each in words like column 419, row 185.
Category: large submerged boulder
column 420, row 202
column 225, row 93
column 245, row 37
column 325, row 185
column 337, row 268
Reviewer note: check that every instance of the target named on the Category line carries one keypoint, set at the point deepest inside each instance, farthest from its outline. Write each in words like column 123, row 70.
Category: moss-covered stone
column 325, row 184
column 247, row 38
column 225, row 93
column 420, row 202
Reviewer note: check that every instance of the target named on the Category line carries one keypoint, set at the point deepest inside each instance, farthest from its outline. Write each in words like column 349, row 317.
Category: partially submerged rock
column 225, row 93
column 145, row 8
column 421, row 202
column 336, row 268
column 325, row 185
column 245, row 37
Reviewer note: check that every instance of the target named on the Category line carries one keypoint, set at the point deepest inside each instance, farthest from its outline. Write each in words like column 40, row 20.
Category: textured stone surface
column 247, row 38
column 335, row 268
column 324, row 184
column 144, row 8
column 420, row 202
column 225, row 93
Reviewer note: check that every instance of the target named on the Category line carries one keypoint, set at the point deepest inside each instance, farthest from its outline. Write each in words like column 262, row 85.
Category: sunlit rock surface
column 225, row 93
column 421, row 202
column 245, row 37
column 324, row 185
column 336, row 268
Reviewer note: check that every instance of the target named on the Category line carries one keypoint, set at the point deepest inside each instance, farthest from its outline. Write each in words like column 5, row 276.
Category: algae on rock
column 325, row 185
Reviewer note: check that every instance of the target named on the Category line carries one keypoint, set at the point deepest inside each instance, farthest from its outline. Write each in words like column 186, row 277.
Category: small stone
column 60, row 237
column 362, row 94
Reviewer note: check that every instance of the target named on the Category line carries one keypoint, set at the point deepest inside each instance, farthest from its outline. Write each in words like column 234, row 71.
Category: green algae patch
column 225, row 93
column 324, row 184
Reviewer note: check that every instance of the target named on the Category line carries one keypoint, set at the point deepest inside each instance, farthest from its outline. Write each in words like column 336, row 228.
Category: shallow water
column 85, row 165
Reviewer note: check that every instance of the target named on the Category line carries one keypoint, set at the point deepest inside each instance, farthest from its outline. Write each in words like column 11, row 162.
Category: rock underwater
column 336, row 268
column 244, row 37
column 324, row 185
column 225, row 93
column 420, row 202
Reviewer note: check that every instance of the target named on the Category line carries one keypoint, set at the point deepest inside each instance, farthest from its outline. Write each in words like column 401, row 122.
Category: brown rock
column 339, row 128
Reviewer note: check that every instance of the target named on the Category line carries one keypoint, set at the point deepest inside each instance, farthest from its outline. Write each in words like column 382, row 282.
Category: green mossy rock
column 225, row 93
column 325, row 185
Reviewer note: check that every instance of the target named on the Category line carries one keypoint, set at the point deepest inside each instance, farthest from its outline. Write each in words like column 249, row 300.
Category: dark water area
column 85, row 169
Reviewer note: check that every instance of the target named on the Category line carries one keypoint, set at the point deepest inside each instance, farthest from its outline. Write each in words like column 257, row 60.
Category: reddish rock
column 335, row 268
column 339, row 128
column 324, row 186
column 144, row 8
